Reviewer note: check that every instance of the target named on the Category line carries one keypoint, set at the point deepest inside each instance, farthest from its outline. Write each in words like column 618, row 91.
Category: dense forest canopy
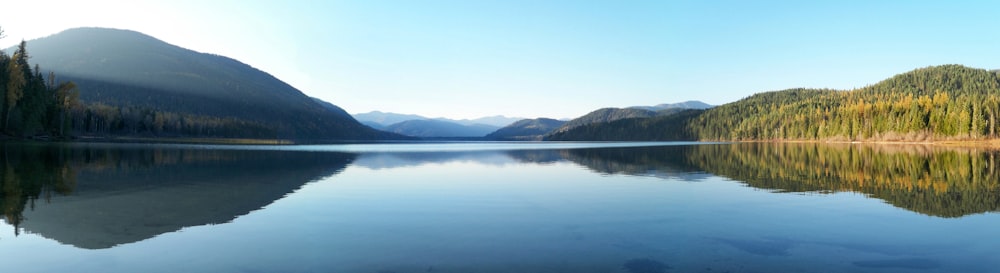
column 948, row 102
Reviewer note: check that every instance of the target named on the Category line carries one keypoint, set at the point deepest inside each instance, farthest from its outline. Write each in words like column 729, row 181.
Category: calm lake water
column 499, row 207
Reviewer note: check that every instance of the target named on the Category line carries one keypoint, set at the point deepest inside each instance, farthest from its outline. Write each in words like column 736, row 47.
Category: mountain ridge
column 135, row 80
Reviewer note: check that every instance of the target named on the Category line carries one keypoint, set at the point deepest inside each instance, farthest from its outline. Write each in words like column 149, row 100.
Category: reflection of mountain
column 127, row 195
column 660, row 161
column 389, row 160
column 937, row 182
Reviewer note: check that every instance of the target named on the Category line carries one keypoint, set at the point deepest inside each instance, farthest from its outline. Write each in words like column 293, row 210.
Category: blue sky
column 537, row 58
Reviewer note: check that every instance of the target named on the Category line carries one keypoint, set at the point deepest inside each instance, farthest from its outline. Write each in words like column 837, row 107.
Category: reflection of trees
column 28, row 173
column 933, row 181
column 937, row 182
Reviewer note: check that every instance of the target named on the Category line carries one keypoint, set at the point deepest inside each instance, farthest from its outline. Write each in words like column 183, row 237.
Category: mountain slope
column 132, row 72
column 437, row 128
column 526, row 129
column 606, row 115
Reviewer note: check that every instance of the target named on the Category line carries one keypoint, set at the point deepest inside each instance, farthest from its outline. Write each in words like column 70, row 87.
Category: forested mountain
column 948, row 102
column 526, row 129
column 438, row 128
column 133, row 84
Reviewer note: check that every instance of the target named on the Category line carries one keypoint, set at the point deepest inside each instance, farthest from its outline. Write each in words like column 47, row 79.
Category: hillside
column 526, row 129
column 438, row 128
column 948, row 102
column 134, row 84
column 606, row 115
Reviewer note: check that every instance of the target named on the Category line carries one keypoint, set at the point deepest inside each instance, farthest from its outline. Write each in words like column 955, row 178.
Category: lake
column 499, row 207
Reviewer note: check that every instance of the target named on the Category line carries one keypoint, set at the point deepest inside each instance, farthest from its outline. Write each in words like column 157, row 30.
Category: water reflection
column 100, row 196
column 944, row 182
column 112, row 195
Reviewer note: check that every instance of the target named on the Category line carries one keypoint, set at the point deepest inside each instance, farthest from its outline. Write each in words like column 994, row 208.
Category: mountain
column 387, row 118
column 132, row 83
column 498, row 121
column 691, row 104
column 384, row 118
column 438, row 128
column 606, row 115
column 947, row 102
column 420, row 126
column 526, row 129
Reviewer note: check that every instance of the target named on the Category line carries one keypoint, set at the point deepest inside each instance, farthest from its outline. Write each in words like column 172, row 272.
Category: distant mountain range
column 504, row 128
column 134, row 84
column 420, row 126
column 439, row 128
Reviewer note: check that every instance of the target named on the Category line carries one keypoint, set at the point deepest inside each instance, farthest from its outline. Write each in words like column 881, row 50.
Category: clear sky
column 547, row 58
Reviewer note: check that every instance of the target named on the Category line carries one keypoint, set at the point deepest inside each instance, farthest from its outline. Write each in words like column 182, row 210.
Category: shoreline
column 985, row 143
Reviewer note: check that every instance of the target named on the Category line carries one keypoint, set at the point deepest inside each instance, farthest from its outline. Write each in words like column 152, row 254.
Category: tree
column 67, row 97
column 16, row 81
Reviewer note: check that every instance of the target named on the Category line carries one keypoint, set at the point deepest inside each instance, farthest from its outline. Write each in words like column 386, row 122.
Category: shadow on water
column 112, row 195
